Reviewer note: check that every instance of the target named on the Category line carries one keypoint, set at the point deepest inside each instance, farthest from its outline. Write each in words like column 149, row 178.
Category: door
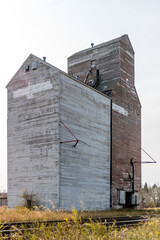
column 128, row 199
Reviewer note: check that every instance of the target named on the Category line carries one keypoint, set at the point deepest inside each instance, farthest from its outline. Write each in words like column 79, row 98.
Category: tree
column 151, row 195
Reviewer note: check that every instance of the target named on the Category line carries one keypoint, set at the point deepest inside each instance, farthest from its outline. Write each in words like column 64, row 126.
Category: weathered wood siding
column 84, row 169
column 126, row 126
column 33, row 134
column 105, row 57
column 115, row 61
column 3, row 199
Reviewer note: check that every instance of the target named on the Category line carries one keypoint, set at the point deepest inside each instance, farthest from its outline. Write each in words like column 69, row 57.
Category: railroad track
column 11, row 227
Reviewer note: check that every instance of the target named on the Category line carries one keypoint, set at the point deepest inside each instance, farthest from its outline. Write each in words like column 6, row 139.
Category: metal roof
column 107, row 84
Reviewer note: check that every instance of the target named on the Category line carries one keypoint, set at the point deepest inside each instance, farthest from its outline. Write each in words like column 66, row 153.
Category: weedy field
column 91, row 231
column 21, row 214
column 75, row 230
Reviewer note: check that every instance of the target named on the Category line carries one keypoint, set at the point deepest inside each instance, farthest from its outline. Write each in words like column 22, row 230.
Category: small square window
column 27, row 68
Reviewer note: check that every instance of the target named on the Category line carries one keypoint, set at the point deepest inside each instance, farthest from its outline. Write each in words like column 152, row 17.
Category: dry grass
column 22, row 214
column 147, row 231
column 90, row 231
column 120, row 212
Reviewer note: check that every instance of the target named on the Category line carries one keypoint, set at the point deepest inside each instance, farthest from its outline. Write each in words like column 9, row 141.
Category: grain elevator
column 76, row 137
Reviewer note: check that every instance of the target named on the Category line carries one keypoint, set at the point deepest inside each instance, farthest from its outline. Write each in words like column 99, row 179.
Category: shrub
column 30, row 200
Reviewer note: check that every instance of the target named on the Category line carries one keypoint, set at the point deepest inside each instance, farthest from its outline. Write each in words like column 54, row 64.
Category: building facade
column 76, row 137
column 109, row 68
column 58, row 139
column 3, row 199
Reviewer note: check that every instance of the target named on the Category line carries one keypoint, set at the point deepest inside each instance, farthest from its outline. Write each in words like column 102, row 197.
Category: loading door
column 128, row 199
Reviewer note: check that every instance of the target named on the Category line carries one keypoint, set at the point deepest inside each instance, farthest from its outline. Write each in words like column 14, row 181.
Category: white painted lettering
column 32, row 89
column 119, row 109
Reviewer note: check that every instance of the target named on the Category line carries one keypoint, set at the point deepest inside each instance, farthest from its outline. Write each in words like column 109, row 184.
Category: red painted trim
column 76, row 140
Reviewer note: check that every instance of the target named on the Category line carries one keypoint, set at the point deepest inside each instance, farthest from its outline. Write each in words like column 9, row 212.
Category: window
column 27, row 68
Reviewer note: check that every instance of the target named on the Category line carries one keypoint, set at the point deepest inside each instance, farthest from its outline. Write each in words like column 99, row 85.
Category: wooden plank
column 84, row 169
column 33, row 135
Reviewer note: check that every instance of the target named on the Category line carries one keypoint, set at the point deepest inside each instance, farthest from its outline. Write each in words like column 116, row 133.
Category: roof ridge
column 104, row 43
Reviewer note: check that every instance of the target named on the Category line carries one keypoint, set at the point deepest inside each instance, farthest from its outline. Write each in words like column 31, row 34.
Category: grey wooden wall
column 33, row 134
column 84, row 169
column 105, row 57
column 38, row 100
column 115, row 62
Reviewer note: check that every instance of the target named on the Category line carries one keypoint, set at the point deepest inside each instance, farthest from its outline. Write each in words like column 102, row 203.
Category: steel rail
column 12, row 227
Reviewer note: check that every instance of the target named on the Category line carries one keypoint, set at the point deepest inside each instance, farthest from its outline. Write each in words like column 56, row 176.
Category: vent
column 34, row 65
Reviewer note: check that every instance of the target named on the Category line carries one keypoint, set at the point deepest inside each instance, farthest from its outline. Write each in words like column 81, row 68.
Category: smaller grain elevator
column 109, row 68
column 58, row 139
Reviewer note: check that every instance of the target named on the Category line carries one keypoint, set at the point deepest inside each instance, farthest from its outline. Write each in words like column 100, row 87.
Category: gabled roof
column 21, row 81
column 25, row 62
column 116, row 40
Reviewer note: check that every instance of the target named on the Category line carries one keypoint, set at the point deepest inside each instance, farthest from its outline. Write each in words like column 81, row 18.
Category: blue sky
column 58, row 28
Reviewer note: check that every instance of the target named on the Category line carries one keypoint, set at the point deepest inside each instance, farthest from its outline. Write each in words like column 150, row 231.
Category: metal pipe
column 132, row 179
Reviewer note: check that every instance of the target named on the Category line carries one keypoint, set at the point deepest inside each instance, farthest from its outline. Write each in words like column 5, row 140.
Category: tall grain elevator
column 109, row 68
column 76, row 137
